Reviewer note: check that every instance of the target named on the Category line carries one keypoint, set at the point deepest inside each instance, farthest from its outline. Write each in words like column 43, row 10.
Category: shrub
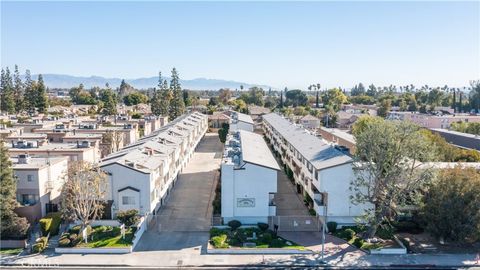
column 276, row 243
column 45, row 224
column 219, row 241
column 266, row 238
column 64, row 242
column 17, row 229
column 56, row 220
column 37, row 248
column 74, row 239
column 332, row 226
column 312, row 212
column 75, row 229
column 216, row 232
column 128, row 217
column 40, row 245
column 358, row 242
column 385, row 231
column 407, row 226
column 234, row 224
column 262, row 226
column 346, row 234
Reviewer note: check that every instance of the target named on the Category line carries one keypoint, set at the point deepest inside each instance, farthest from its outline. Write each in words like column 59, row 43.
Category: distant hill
column 68, row 81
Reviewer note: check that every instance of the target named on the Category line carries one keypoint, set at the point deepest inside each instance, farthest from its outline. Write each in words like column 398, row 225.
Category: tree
column 30, row 97
column 384, row 108
column 12, row 226
column 296, row 98
column 18, row 91
column 412, row 104
column 74, row 93
column 224, row 95
column 135, row 98
column 186, row 98
column 155, row 103
column 114, row 139
column 222, row 133
column 451, row 205
column 474, row 95
column 372, row 91
column 84, row 193
column 387, row 164
column 255, row 96
column 334, row 98
column 107, row 96
column 7, row 92
column 240, row 106
column 358, row 90
column 160, row 102
column 124, row 90
column 41, row 97
column 281, row 100
column 177, row 106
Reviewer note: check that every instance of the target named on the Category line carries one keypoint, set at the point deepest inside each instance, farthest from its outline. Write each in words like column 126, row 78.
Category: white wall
column 254, row 182
column 241, row 126
column 336, row 182
column 122, row 177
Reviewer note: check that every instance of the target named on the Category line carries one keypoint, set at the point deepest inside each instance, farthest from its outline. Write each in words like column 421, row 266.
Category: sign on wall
column 245, row 202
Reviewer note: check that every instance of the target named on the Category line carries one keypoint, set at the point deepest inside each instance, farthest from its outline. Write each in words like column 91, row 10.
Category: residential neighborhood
column 242, row 135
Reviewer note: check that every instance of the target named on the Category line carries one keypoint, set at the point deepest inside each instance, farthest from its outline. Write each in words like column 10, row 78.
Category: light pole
column 324, row 199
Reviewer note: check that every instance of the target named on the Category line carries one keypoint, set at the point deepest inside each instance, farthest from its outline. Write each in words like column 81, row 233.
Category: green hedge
column 51, row 223
column 40, row 245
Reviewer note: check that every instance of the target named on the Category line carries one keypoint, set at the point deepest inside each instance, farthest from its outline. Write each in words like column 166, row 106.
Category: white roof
column 256, row 151
column 244, row 118
column 318, row 152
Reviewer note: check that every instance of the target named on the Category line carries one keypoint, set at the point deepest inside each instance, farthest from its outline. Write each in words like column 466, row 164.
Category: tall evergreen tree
column 12, row 226
column 41, row 98
column 18, row 91
column 177, row 106
column 162, row 97
column 8, row 98
column 30, row 96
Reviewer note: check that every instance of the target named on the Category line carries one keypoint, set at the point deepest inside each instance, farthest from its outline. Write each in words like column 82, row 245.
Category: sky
column 282, row 44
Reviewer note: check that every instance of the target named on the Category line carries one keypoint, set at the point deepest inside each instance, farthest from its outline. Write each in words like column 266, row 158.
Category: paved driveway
column 289, row 202
column 184, row 221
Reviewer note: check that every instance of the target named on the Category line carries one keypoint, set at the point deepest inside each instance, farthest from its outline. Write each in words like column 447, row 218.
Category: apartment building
column 241, row 121
column 142, row 174
column 249, row 179
column 433, row 121
column 39, row 180
column 74, row 151
column 339, row 137
column 320, row 170
column 459, row 139
column 310, row 122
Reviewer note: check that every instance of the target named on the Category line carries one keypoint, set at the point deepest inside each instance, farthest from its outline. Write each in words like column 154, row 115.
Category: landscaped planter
column 401, row 249
column 236, row 250
column 109, row 250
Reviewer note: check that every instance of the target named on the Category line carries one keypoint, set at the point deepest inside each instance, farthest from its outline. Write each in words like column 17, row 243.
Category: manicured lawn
column 10, row 251
column 225, row 238
column 104, row 236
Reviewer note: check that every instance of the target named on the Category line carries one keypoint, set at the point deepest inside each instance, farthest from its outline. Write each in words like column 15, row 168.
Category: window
column 29, row 178
column 28, row 199
column 128, row 200
column 316, row 175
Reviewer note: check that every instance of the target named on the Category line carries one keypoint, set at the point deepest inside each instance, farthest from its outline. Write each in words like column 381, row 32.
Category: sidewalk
column 193, row 257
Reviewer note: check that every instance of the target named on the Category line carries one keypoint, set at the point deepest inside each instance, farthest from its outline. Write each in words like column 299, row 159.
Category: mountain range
column 68, row 81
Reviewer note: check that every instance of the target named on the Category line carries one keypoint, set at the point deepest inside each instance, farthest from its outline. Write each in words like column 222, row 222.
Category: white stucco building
column 321, row 170
column 241, row 121
column 249, row 179
column 142, row 174
column 39, row 181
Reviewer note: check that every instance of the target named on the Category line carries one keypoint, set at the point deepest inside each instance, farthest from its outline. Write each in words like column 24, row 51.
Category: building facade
column 249, row 179
column 141, row 175
column 320, row 170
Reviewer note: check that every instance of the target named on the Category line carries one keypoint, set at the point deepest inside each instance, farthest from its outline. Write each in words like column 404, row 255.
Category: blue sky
column 276, row 43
